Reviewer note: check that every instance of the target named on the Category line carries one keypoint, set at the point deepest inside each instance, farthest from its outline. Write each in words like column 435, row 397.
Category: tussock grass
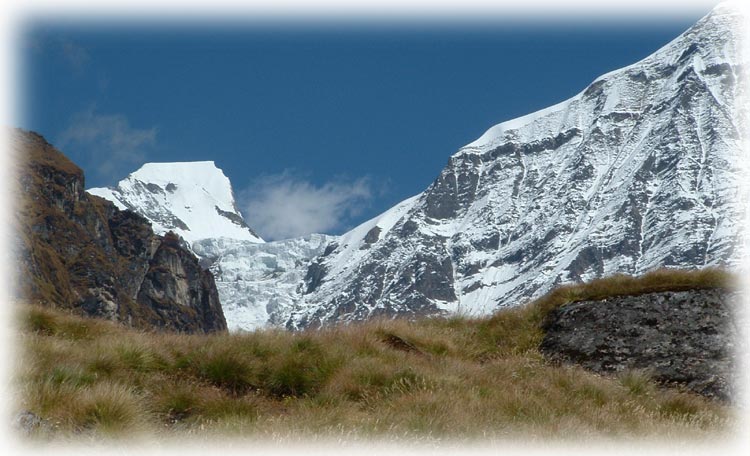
column 432, row 378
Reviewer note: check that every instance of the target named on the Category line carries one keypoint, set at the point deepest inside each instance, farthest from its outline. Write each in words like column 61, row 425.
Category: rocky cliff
column 79, row 251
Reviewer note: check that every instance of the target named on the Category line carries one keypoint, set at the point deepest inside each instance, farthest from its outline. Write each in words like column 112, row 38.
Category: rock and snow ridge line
column 506, row 130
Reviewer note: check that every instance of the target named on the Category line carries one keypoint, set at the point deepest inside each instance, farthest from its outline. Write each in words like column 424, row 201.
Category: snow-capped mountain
column 639, row 170
column 192, row 199
column 258, row 282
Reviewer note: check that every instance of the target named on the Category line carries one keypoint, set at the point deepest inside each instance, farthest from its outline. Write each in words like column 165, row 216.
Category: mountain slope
column 461, row 378
column 638, row 171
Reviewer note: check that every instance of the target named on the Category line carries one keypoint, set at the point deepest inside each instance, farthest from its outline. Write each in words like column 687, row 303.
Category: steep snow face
column 192, row 199
column 640, row 170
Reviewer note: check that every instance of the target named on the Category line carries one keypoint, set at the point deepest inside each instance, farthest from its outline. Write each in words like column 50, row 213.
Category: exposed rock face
column 176, row 277
column 80, row 252
column 683, row 338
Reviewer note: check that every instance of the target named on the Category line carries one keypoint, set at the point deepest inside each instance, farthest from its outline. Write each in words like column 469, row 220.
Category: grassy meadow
column 436, row 379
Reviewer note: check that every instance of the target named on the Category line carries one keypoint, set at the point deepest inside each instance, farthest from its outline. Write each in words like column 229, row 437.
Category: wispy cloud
column 75, row 55
column 285, row 205
column 109, row 141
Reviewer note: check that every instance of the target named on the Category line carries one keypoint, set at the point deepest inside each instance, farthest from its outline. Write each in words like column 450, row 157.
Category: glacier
column 259, row 283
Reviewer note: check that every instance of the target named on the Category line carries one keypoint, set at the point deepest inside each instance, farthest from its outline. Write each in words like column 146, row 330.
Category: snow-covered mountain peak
column 197, row 172
column 705, row 49
column 193, row 199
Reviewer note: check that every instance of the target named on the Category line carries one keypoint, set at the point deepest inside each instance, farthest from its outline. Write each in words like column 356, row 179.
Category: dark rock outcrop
column 80, row 252
column 679, row 338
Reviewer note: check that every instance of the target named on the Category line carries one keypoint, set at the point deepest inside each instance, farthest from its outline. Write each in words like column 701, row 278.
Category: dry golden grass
column 454, row 378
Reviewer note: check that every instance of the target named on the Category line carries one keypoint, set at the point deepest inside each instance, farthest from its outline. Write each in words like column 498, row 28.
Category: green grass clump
column 110, row 408
column 227, row 370
column 433, row 378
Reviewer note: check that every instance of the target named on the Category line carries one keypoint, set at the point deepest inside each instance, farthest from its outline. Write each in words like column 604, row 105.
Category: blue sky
column 346, row 120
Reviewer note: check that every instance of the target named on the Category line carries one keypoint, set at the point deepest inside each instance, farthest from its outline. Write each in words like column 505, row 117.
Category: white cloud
column 108, row 140
column 284, row 206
